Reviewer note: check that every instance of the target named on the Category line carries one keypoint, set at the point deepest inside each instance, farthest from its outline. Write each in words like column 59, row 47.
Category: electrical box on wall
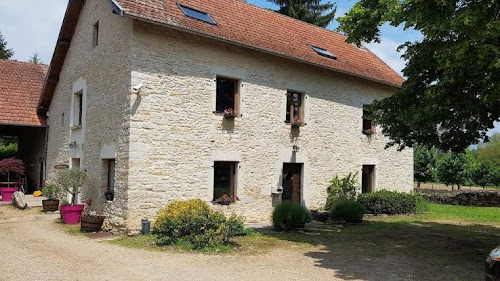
column 277, row 189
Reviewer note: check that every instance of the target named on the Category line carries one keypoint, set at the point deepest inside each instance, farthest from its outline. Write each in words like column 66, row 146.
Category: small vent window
column 324, row 52
column 195, row 14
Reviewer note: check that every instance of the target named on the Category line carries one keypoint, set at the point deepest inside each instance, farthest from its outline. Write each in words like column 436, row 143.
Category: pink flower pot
column 71, row 214
column 7, row 193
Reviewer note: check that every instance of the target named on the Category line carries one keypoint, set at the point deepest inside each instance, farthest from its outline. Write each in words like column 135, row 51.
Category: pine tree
column 5, row 53
column 311, row 11
column 35, row 59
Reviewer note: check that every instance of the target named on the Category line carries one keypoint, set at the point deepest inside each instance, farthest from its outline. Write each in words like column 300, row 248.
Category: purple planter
column 71, row 214
column 7, row 193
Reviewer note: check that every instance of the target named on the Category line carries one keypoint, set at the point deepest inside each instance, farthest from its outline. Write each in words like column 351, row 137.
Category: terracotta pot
column 71, row 214
column 50, row 205
column 7, row 193
column 91, row 223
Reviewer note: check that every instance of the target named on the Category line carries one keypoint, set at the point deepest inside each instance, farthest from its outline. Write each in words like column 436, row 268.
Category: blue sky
column 32, row 26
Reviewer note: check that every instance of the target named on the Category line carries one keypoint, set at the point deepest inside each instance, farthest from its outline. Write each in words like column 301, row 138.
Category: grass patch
column 464, row 213
column 251, row 244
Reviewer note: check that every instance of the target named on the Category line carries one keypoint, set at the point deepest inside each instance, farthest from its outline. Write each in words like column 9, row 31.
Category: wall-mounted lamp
column 137, row 88
column 72, row 145
column 295, row 148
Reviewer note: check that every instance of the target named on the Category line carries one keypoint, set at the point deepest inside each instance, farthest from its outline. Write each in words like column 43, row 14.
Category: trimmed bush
column 288, row 215
column 193, row 222
column 391, row 203
column 348, row 210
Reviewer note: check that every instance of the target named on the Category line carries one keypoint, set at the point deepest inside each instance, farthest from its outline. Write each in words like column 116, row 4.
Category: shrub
column 348, row 209
column 51, row 191
column 390, row 202
column 341, row 189
column 288, row 215
column 193, row 222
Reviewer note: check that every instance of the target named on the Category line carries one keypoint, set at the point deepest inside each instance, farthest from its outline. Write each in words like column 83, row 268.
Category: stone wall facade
column 175, row 137
column 102, row 75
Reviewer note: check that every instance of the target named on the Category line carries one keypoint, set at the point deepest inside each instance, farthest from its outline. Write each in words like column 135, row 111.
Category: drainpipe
column 44, row 163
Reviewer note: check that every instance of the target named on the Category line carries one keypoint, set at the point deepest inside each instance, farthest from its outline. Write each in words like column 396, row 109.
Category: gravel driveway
column 33, row 247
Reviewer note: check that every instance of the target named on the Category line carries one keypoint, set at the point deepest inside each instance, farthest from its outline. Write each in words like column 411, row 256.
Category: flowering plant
column 87, row 212
column 230, row 113
column 369, row 132
column 225, row 199
column 297, row 123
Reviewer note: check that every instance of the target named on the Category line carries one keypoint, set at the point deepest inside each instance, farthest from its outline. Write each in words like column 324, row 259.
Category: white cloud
column 31, row 25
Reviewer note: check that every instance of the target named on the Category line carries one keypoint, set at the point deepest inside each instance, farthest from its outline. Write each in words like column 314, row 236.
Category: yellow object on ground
column 37, row 193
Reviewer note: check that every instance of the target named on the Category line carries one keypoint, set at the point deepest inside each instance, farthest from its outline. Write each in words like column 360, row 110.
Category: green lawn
column 463, row 214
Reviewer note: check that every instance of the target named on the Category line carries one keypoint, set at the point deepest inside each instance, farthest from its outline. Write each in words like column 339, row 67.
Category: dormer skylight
column 195, row 14
column 323, row 52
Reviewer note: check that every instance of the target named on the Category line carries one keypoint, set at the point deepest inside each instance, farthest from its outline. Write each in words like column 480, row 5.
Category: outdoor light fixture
column 295, row 148
column 72, row 145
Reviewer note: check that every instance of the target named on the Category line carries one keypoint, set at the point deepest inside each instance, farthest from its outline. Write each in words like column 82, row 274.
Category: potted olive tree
column 11, row 167
column 71, row 181
column 52, row 192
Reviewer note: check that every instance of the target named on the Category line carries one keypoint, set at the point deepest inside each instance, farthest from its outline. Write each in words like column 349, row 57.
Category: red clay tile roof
column 21, row 84
column 244, row 24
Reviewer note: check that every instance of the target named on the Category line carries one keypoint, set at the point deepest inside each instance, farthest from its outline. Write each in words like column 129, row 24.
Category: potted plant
column 71, row 181
column 369, row 132
column 109, row 195
column 230, row 113
column 297, row 123
column 51, row 204
column 10, row 166
column 90, row 220
column 225, row 199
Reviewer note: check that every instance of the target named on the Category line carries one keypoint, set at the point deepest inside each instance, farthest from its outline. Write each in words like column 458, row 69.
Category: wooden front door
column 368, row 179
column 292, row 182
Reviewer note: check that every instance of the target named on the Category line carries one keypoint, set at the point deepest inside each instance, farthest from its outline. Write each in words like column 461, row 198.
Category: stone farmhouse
column 136, row 93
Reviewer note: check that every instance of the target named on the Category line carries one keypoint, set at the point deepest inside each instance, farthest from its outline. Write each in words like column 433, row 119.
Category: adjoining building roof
column 247, row 25
column 20, row 86
column 238, row 23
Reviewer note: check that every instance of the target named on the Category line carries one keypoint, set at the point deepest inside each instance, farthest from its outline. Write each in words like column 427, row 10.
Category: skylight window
column 323, row 52
column 195, row 14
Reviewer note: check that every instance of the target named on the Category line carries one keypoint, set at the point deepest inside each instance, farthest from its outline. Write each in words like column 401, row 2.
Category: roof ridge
column 290, row 18
column 23, row 62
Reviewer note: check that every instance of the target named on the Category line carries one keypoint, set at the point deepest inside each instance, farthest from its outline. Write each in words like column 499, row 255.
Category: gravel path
column 33, row 247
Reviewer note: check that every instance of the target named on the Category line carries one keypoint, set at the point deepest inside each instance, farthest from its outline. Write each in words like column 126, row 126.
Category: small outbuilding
column 20, row 86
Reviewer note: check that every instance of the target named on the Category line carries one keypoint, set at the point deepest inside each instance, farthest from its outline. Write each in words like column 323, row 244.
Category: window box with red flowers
column 297, row 123
column 230, row 113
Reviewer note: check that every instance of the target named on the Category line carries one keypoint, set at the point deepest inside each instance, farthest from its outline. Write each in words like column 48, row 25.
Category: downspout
column 44, row 163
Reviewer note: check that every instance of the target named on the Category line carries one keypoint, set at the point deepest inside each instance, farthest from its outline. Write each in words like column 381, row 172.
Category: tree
column 35, row 59
column 481, row 173
column 452, row 169
column 424, row 164
column 5, row 53
column 490, row 151
column 72, row 181
column 452, row 93
column 311, row 11
column 495, row 176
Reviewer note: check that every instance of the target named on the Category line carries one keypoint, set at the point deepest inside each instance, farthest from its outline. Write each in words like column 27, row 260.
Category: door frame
column 302, row 168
